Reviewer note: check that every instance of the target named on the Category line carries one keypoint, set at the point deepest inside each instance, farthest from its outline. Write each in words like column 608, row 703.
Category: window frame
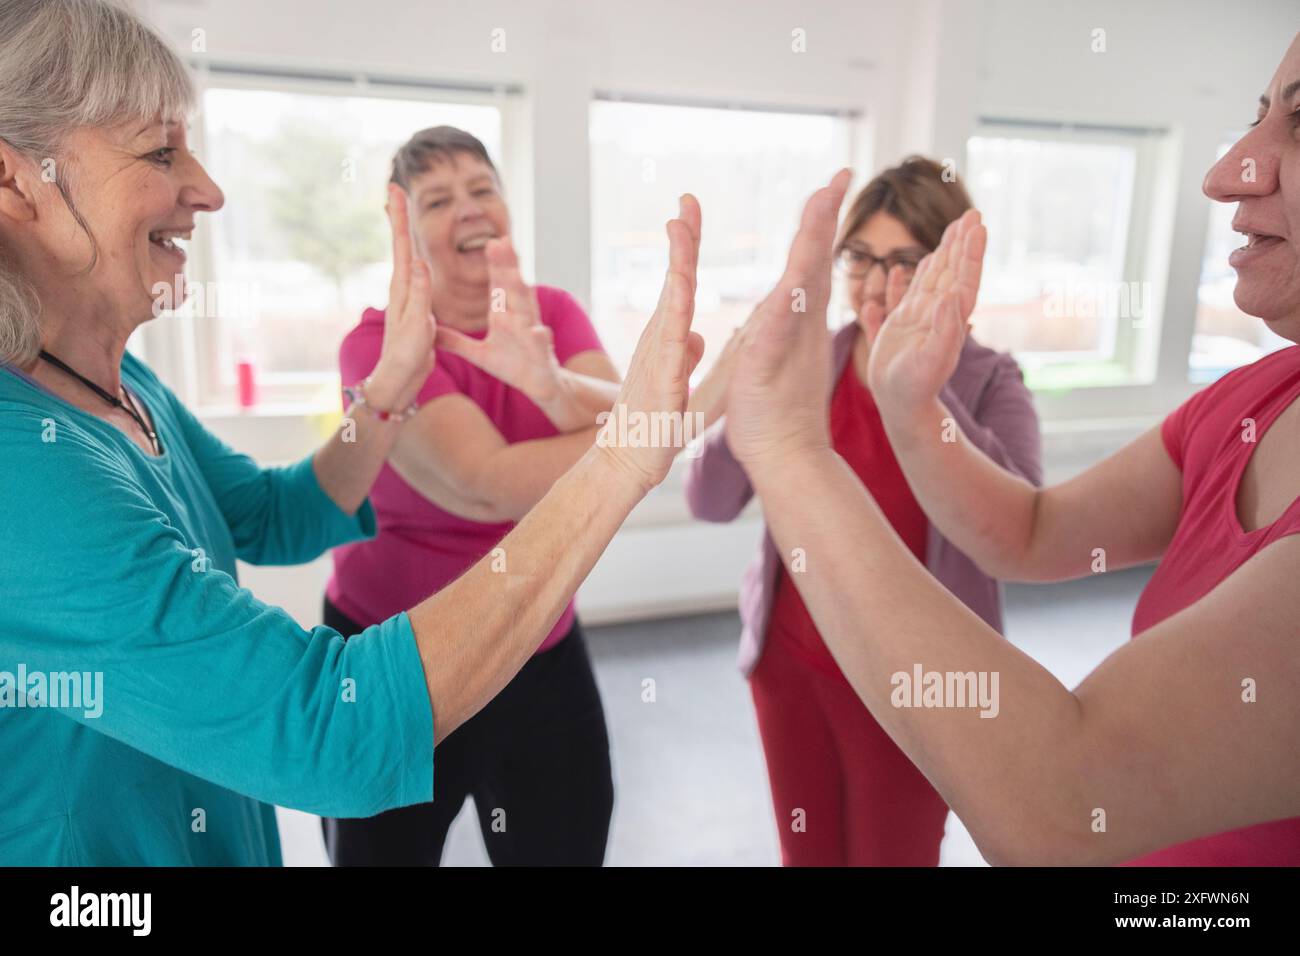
column 174, row 344
column 856, row 132
column 1135, row 342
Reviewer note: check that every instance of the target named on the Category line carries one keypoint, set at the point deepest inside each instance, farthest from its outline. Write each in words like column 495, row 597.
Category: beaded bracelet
column 356, row 396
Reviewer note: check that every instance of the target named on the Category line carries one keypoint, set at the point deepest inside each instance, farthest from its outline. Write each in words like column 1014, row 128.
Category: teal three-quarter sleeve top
column 151, row 710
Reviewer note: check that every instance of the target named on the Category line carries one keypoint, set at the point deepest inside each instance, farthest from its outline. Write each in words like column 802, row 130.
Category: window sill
column 265, row 410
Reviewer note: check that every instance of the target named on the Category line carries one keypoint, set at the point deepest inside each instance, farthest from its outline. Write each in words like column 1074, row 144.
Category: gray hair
column 434, row 145
column 65, row 65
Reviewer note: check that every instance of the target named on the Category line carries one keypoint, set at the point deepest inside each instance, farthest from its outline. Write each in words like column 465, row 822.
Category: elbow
column 343, row 794
column 1034, row 839
column 702, row 509
column 709, row 508
column 711, row 497
column 479, row 501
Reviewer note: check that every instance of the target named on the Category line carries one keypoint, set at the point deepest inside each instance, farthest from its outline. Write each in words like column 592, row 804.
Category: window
column 751, row 171
column 302, row 246
column 1225, row 337
column 1063, row 284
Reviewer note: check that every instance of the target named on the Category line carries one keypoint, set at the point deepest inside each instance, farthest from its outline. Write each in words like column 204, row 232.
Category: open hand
column 916, row 344
column 407, row 357
column 518, row 348
column 778, row 402
column 658, row 377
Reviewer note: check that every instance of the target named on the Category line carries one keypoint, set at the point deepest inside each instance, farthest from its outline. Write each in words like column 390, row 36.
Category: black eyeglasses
column 858, row 263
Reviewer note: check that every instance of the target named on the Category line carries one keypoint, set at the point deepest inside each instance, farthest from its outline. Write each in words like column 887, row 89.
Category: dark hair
column 436, row 144
column 917, row 193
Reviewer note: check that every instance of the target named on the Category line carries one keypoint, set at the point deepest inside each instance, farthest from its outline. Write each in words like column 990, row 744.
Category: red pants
column 863, row 801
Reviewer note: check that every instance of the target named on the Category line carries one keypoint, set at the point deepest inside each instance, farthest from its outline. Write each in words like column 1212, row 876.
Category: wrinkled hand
column 658, row 377
column 407, row 357
column 915, row 345
column 518, row 348
column 777, row 405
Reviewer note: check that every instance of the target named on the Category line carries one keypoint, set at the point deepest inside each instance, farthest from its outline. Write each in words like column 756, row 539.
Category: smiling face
column 1261, row 173
column 138, row 190
column 456, row 207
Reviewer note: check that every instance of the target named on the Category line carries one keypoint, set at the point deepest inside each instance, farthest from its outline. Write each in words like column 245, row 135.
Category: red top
column 1206, row 439
column 420, row 548
column 858, row 435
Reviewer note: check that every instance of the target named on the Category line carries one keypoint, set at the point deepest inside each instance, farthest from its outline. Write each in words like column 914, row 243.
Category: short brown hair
column 434, row 145
column 920, row 193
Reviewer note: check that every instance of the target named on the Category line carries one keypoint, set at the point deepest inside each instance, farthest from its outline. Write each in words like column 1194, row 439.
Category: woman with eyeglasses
column 843, row 792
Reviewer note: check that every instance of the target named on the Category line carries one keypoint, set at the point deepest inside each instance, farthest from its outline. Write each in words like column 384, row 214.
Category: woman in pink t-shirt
column 512, row 403
column 1180, row 748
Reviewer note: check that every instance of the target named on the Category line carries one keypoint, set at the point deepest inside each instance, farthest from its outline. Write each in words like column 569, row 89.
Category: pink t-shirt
column 1204, row 437
column 420, row 548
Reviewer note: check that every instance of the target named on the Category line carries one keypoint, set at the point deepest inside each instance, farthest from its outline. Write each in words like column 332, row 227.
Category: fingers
column 810, row 252
column 895, row 287
column 971, row 265
column 684, row 249
column 872, row 318
column 458, row 343
column 677, row 303
column 399, row 222
column 419, row 299
column 694, row 352
column 689, row 213
column 947, row 330
column 932, row 268
column 504, row 274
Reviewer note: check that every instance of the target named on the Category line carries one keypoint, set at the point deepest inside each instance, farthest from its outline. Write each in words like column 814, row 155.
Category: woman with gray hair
column 184, row 707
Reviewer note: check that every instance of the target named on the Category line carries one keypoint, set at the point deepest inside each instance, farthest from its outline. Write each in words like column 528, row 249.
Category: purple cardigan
column 995, row 411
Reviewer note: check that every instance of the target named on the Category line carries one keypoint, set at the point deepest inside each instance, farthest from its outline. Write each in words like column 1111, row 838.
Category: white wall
column 921, row 72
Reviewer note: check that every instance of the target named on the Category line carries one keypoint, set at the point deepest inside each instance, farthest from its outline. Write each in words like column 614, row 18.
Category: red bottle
column 247, row 383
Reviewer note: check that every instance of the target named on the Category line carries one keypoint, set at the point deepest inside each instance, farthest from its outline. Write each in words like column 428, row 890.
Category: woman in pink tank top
column 1178, row 749
column 514, row 400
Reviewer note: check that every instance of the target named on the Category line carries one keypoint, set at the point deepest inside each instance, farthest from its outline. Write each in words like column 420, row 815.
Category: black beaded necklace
column 131, row 408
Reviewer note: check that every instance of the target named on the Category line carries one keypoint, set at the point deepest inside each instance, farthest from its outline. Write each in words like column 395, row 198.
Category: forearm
column 575, row 400
column 514, row 479
column 475, row 634
column 987, row 512
column 348, row 464
column 866, row 593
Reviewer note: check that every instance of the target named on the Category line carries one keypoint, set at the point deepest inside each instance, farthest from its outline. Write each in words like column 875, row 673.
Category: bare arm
column 587, row 385
column 1127, row 505
column 1162, row 718
column 519, row 349
column 474, row 635
column 546, row 557
column 347, row 468
column 453, row 455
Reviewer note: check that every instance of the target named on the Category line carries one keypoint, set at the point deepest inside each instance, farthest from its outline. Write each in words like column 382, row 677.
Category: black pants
column 535, row 760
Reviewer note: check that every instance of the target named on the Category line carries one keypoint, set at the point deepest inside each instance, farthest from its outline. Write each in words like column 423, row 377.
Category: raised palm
column 518, row 348
column 916, row 344
column 777, row 402
column 407, row 355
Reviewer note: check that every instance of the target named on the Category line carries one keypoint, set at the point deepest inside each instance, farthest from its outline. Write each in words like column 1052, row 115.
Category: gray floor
column 691, row 785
